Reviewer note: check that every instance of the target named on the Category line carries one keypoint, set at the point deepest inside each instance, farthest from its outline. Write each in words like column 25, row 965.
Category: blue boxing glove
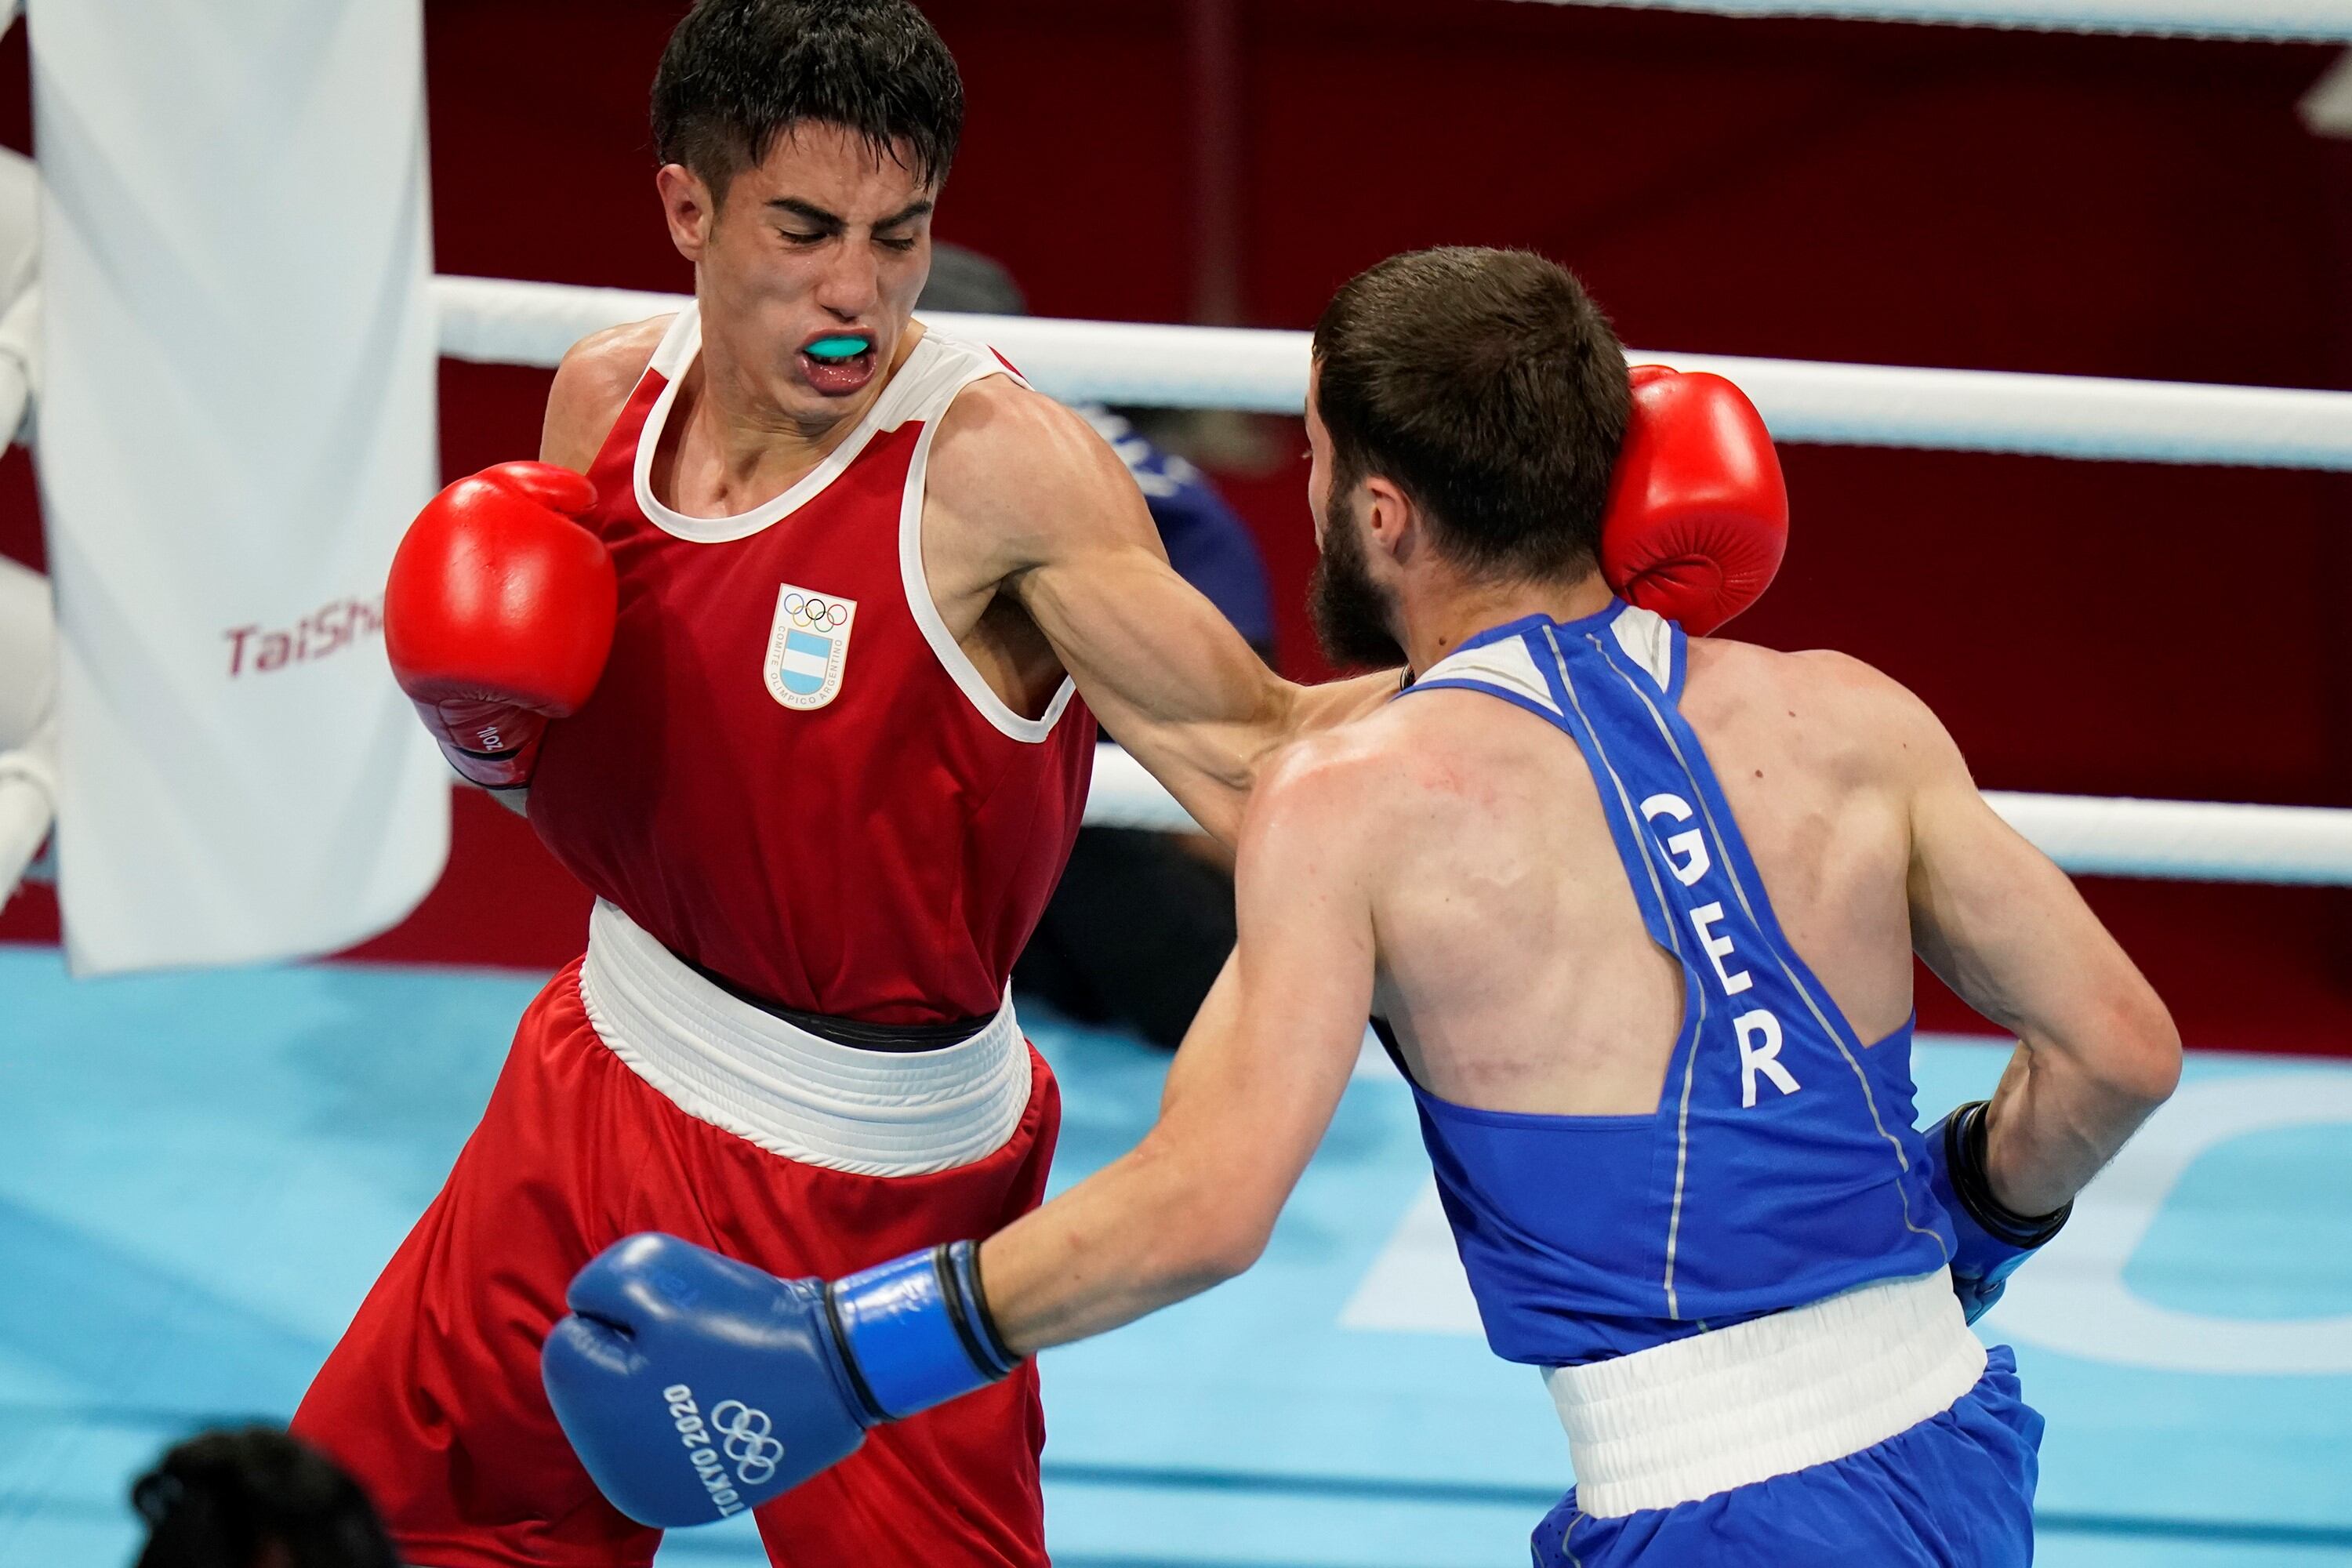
column 1993, row 1239
column 693, row 1386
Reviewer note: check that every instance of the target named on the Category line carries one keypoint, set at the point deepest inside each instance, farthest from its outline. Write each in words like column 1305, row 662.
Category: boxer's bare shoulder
column 1827, row 714
column 595, row 379
column 1446, row 772
column 1020, row 480
column 1455, row 763
column 1325, row 812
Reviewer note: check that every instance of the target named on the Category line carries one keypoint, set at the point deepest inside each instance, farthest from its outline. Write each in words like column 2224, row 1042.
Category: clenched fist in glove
column 1699, row 517
column 498, row 615
column 693, row 1386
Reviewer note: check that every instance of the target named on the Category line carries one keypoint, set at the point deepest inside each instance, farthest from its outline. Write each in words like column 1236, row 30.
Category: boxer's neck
column 1444, row 610
column 763, row 445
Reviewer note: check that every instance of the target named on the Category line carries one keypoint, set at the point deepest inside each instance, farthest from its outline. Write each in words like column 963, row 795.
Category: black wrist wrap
column 958, row 1267
column 1964, row 1162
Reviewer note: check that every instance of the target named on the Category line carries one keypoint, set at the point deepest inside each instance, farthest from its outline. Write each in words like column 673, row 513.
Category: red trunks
column 432, row 1397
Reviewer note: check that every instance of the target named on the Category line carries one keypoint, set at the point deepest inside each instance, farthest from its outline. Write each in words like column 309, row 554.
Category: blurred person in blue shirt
column 1141, row 921
column 1210, row 546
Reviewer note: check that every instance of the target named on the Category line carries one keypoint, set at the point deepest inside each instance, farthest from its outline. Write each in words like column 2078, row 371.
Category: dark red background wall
column 1914, row 195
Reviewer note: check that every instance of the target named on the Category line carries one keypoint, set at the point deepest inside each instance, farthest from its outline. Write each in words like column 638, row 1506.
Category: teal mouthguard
column 839, row 348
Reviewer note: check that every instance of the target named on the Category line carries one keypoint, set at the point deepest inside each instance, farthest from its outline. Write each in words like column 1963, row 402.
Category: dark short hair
column 1488, row 387
column 218, row 1498
column 738, row 74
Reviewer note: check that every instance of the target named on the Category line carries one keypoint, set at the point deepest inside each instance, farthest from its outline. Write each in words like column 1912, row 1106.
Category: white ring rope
column 502, row 321
column 505, row 321
column 2199, row 841
column 2322, row 21
column 2092, row 836
column 1231, row 368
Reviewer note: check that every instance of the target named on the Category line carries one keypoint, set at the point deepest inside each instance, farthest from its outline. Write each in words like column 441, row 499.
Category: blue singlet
column 1780, row 1167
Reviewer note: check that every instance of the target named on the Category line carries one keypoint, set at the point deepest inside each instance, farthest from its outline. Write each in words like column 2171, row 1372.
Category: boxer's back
column 1515, row 966
column 1645, row 953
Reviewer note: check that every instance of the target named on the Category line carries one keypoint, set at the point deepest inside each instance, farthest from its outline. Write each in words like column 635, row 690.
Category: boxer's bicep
column 1033, row 490
column 1165, row 672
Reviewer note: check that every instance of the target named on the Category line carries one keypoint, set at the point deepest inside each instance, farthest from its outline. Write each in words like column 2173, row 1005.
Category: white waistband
column 722, row 1060
column 1701, row 1415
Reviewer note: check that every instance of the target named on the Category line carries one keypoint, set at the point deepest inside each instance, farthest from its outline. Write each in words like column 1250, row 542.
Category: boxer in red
column 789, row 648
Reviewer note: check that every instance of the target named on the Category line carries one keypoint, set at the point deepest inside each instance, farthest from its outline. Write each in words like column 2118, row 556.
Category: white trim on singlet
column 721, row 1060
column 672, row 358
column 964, row 364
column 1648, row 639
column 680, row 341
column 1504, row 662
column 1694, row 1417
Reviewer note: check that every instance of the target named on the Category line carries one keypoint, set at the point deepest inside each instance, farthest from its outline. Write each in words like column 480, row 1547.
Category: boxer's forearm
column 2005, row 928
column 2050, row 1129
column 1146, row 1232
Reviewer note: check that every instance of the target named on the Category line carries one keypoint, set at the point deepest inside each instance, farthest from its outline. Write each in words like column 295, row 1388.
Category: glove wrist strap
column 916, row 1330
column 502, row 767
column 968, row 1305
column 1964, row 1160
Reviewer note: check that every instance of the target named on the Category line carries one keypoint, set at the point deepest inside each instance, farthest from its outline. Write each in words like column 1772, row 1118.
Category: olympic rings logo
column 808, row 610
column 747, row 1438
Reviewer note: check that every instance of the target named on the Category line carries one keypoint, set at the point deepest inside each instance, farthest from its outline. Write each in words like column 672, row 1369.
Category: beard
column 1350, row 613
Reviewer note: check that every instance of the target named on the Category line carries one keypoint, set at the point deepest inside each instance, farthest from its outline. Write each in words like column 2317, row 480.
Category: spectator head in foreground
column 255, row 1497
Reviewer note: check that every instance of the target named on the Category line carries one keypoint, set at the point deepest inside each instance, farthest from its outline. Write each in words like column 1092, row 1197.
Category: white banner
column 236, row 422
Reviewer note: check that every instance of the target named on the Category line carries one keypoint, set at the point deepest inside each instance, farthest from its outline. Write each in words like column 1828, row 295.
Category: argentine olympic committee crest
column 808, row 646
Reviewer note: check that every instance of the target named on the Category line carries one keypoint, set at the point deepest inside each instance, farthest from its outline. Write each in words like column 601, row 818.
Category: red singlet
column 790, row 774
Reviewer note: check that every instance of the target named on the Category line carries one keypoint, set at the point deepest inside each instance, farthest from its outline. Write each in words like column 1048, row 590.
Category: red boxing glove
column 1698, row 516
column 498, row 615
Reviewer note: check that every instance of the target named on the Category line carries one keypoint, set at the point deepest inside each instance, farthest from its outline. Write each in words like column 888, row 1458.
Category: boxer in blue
column 1636, row 912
